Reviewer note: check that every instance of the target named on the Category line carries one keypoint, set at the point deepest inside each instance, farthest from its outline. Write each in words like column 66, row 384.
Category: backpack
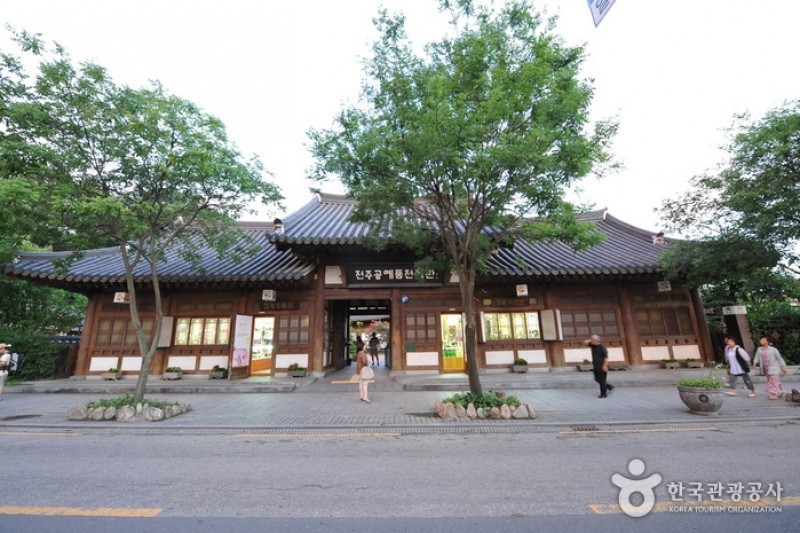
column 744, row 362
column 14, row 363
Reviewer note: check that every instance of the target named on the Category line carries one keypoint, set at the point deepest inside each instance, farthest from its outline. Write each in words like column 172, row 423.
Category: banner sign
column 395, row 275
column 242, row 341
column 599, row 8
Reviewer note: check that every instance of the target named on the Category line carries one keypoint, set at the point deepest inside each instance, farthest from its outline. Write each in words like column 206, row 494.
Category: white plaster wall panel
column 505, row 357
column 686, row 351
column 615, row 353
column 533, row 356
column 333, row 275
column 102, row 364
column 422, row 359
column 207, row 362
column 655, row 353
column 131, row 364
column 186, row 362
column 285, row 359
column 577, row 355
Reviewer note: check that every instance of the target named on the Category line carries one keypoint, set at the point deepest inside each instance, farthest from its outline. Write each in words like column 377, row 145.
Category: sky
column 674, row 74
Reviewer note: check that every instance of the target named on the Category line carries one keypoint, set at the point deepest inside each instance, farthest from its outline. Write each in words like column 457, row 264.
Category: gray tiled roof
column 105, row 267
column 627, row 250
column 324, row 223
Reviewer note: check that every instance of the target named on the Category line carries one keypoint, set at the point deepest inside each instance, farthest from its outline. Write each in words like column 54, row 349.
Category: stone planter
column 701, row 401
column 218, row 374
column 111, row 376
column 694, row 364
column 585, row 368
column 171, row 376
column 520, row 369
column 671, row 364
column 296, row 373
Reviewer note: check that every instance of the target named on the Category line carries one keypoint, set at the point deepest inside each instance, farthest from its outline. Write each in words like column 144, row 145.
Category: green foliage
column 780, row 321
column 174, row 369
column 470, row 145
column 139, row 168
column 295, row 367
column 485, row 400
column 128, row 400
column 520, row 362
column 702, row 383
column 747, row 215
column 42, row 356
column 43, row 309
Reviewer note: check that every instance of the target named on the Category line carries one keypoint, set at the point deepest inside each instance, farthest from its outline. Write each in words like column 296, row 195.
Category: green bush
column 122, row 401
column 487, row 400
column 701, row 383
column 41, row 356
column 780, row 321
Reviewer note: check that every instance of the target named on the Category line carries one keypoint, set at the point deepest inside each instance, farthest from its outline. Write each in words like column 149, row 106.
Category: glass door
column 263, row 346
column 453, row 343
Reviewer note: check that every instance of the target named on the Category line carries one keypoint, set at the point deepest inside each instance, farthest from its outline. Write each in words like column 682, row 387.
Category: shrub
column 122, row 401
column 174, row 369
column 295, row 366
column 701, row 383
column 520, row 362
column 487, row 400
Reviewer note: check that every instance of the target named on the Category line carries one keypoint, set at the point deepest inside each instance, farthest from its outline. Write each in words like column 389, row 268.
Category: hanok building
column 294, row 301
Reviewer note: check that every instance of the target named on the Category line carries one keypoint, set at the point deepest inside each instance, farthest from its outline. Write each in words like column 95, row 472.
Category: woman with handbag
column 739, row 365
column 364, row 373
column 772, row 365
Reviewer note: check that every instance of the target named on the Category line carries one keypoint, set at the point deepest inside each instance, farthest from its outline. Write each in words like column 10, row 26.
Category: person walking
column 772, row 364
column 5, row 360
column 364, row 373
column 739, row 365
column 600, row 363
column 373, row 349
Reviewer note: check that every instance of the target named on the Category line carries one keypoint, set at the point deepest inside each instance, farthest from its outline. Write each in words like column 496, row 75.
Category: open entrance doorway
column 369, row 321
column 354, row 318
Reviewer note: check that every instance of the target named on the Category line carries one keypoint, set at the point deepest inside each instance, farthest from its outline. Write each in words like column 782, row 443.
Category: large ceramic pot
column 702, row 401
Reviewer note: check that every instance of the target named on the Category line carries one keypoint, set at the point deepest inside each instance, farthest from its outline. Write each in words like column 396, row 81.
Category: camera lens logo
column 628, row 487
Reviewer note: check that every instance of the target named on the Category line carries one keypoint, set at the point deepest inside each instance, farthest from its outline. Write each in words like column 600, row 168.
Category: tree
column 140, row 168
column 455, row 152
column 750, row 208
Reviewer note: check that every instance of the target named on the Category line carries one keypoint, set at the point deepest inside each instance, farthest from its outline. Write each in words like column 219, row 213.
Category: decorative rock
column 494, row 413
column 505, row 412
column 449, row 410
column 153, row 414
column 98, row 413
column 471, row 410
column 439, row 406
column 126, row 413
column 79, row 413
column 110, row 414
column 481, row 413
column 460, row 411
column 531, row 413
column 520, row 412
column 139, row 409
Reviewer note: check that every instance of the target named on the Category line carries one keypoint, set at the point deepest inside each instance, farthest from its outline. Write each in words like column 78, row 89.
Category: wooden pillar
column 87, row 335
column 397, row 332
column 316, row 344
column 555, row 349
column 703, row 334
column 630, row 333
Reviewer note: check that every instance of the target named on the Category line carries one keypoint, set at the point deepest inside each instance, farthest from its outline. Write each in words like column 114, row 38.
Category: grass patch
column 122, row 401
column 487, row 400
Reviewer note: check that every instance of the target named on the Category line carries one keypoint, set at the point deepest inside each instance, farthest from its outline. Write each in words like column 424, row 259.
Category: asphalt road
column 392, row 481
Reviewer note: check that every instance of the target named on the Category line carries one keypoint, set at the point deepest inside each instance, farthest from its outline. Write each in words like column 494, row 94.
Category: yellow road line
column 78, row 511
column 348, row 381
column 664, row 430
column 41, row 433
column 663, row 507
column 322, row 435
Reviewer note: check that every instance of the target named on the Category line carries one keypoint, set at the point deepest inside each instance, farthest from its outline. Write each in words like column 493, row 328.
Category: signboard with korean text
column 391, row 275
column 242, row 341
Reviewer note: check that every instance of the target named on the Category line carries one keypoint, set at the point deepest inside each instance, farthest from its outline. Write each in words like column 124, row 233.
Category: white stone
column 439, row 406
column 110, row 414
column 79, row 413
column 505, row 412
column 126, row 413
column 460, row 411
column 471, row 412
column 495, row 412
column 98, row 413
column 531, row 413
column 520, row 412
column 449, row 410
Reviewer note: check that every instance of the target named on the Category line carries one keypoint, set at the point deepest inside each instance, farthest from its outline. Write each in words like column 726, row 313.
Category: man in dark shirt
column 600, row 362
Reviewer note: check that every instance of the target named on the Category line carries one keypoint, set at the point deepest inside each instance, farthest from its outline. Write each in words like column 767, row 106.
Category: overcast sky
column 673, row 73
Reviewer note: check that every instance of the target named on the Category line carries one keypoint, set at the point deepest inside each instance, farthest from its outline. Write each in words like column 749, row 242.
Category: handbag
column 743, row 362
column 367, row 373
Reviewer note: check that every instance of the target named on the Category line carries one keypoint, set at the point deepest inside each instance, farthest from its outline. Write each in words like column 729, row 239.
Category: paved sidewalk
column 568, row 399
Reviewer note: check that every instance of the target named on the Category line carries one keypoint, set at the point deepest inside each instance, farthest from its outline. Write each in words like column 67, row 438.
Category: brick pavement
column 643, row 397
